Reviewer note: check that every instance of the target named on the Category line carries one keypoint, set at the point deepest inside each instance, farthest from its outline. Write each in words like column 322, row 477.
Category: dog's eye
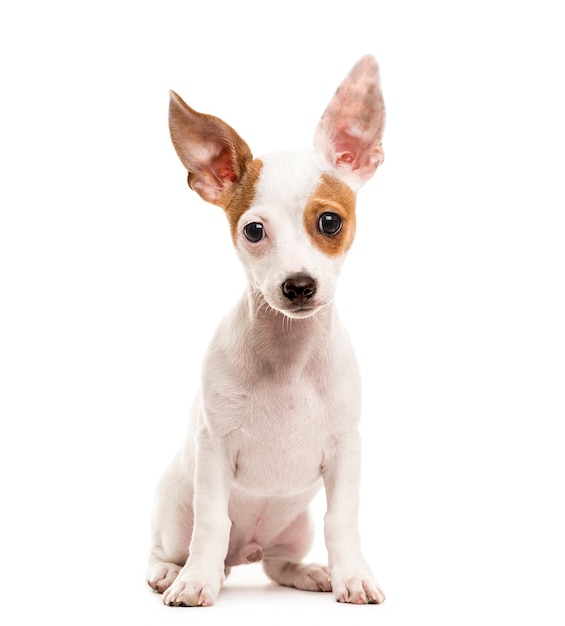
column 330, row 223
column 254, row 231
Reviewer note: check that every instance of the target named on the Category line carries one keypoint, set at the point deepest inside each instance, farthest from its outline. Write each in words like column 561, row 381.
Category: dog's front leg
column 199, row 581
column 351, row 578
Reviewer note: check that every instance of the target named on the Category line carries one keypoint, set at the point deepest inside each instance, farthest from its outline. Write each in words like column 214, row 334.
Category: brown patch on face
column 243, row 196
column 334, row 196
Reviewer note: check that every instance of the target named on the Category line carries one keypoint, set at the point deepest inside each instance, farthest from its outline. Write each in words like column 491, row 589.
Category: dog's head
column 291, row 214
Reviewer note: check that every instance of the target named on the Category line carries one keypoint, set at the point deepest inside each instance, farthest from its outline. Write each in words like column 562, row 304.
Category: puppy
column 278, row 410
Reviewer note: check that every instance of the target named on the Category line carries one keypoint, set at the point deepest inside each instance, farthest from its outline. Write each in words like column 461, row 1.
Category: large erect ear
column 212, row 152
column 350, row 131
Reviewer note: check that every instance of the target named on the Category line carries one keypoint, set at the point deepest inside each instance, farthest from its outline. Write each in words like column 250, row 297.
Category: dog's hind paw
column 314, row 578
column 162, row 575
column 309, row 577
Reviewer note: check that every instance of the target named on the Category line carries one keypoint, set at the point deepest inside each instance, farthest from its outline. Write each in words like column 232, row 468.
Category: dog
column 277, row 413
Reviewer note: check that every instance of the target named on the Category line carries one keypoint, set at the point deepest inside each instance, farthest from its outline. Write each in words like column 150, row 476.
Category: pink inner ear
column 350, row 131
column 224, row 166
column 212, row 152
column 345, row 158
column 226, row 173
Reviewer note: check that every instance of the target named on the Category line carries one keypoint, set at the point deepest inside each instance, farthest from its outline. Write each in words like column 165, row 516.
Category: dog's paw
column 308, row 577
column 191, row 591
column 313, row 577
column 162, row 575
column 359, row 588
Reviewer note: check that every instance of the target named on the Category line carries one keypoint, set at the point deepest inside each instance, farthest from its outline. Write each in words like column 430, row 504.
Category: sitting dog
column 278, row 410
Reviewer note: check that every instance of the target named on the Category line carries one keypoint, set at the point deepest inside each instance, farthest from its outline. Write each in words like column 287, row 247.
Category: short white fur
column 277, row 413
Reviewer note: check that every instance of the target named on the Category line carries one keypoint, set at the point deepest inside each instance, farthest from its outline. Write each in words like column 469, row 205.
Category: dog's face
column 291, row 214
column 292, row 227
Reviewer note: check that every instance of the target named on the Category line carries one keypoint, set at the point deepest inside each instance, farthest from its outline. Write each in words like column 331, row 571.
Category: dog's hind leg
column 169, row 553
column 282, row 561
column 171, row 531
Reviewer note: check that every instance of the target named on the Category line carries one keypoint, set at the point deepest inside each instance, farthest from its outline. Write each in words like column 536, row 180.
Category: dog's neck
column 282, row 343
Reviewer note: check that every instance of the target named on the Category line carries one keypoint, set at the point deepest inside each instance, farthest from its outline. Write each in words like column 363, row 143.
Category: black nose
column 299, row 288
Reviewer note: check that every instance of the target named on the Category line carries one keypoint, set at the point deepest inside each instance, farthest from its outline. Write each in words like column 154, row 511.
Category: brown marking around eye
column 243, row 196
column 335, row 196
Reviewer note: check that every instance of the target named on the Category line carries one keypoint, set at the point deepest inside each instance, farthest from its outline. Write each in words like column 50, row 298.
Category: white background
column 113, row 275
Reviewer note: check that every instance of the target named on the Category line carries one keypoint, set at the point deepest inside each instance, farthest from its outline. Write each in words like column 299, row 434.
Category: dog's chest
column 279, row 399
column 279, row 446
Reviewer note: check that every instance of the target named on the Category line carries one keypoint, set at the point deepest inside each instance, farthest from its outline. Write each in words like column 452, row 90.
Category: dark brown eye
column 254, row 231
column 330, row 223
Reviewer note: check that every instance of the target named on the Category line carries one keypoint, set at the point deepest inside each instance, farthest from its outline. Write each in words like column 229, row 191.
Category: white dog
column 278, row 410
